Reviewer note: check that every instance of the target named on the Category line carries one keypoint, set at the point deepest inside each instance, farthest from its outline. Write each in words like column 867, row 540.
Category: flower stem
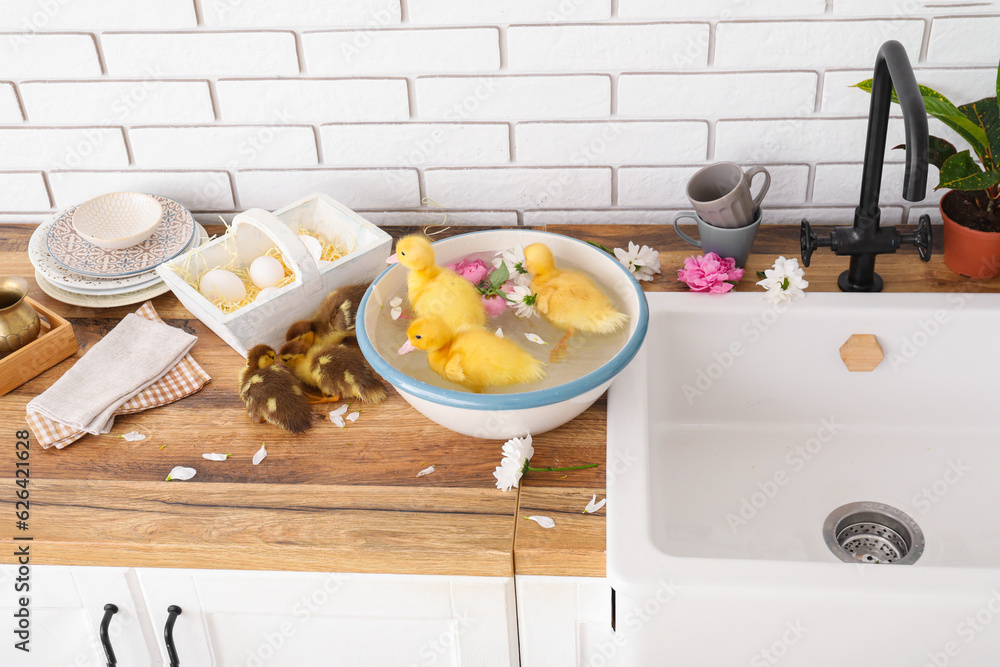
column 589, row 465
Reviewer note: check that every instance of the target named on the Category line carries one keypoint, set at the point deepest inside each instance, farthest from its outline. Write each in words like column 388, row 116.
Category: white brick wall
column 501, row 111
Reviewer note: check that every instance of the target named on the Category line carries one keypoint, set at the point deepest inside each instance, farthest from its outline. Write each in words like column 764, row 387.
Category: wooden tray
column 55, row 342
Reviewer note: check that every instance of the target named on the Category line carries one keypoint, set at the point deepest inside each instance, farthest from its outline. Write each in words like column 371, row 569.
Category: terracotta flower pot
column 970, row 252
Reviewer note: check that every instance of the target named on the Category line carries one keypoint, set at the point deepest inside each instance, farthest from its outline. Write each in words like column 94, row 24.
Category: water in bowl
column 586, row 352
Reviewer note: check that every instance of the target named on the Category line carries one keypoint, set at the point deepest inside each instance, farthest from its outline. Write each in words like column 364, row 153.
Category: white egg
column 266, row 271
column 265, row 293
column 313, row 245
column 219, row 284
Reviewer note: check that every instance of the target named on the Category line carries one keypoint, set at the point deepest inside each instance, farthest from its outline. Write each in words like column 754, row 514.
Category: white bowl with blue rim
column 505, row 415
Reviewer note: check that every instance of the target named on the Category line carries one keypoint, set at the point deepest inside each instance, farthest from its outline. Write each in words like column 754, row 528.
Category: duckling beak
column 392, row 259
column 407, row 347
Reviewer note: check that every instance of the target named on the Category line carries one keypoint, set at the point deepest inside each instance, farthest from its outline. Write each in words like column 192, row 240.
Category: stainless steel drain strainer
column 868, row 532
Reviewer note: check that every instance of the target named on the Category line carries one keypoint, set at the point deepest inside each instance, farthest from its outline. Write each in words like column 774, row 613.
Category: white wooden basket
column 255, row 231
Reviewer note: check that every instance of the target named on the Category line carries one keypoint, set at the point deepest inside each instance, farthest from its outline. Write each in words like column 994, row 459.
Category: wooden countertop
column 337, row 500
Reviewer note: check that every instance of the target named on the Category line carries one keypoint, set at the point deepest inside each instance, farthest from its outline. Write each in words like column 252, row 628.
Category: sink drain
column 869, row 532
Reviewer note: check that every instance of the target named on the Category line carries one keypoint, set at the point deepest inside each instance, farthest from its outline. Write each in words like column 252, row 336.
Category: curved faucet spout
column 892, row 70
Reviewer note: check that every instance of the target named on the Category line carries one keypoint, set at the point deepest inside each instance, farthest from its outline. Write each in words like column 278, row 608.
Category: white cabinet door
column 563, row 621
column 294, row 619
column 65, row 612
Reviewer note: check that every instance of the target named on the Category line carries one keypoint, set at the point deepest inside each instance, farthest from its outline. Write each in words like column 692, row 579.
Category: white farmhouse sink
column 737, row 430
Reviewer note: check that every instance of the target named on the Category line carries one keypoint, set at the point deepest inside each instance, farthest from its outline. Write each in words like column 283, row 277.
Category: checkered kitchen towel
column 184, row 379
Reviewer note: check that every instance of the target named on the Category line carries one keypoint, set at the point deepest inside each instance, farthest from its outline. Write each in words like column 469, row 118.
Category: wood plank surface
column 345, row 500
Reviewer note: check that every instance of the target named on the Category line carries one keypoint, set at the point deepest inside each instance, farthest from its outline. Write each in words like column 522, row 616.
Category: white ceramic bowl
column 503, row 416
column 117, row 220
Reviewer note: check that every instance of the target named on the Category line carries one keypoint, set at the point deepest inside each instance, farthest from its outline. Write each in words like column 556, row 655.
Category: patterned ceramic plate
column 171, row 237
column 151, row 278
column 71, row 281
column 100, row 300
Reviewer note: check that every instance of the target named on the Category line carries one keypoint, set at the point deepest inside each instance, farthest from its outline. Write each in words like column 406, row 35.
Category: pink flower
column 494, row 305
column 709, row 273
column 474, row 271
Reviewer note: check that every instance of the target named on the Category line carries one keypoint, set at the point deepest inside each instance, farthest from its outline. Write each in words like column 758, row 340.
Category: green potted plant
column 971, row 209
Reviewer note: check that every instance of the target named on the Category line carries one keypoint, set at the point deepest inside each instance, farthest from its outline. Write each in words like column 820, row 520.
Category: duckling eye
column 403, row 254
column 418, row 337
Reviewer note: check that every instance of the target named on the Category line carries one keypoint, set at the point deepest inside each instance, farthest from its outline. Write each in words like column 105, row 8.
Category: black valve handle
column 109, row 652
column 924, row 237
column 173, row 611
column 809, row 242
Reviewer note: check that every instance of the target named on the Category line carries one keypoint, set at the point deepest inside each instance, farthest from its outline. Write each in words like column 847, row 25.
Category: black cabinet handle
column 173, row 611
column 109, row 652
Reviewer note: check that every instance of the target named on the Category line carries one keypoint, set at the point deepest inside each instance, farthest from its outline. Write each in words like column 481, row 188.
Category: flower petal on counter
column 180, row 473
column 543, row 521
column 426, row 471
column 215, row 457
column 535, row 338
column 337, row 416
column 593, row 507
column 353, row 417
column 260, row 455
column 132, row 436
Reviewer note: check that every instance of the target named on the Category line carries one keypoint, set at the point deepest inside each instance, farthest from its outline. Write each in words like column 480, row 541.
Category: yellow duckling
column 473, row 358
column 568, row 298
column 272, row 394
column 337, row 371
column 435, row 291
column 333, row 321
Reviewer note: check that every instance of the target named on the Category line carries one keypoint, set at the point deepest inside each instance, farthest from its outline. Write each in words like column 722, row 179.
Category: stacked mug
column 725, row 210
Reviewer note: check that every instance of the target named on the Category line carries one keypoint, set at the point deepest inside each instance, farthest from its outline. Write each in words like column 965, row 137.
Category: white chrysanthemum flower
column 519, row 447
column 514, row 259
column 643, row 261
column 508, row 473
column 784, row 281
column 517, row 453
column 522, row 300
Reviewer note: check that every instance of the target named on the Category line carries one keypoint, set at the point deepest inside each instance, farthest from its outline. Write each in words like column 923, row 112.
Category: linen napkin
column 142, row 363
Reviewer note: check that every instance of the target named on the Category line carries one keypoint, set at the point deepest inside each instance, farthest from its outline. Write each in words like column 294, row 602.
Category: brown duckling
column 337, row 371
column 333, row 321
column 272, row 394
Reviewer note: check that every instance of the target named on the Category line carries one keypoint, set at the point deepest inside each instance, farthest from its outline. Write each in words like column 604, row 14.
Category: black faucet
column 865, row 239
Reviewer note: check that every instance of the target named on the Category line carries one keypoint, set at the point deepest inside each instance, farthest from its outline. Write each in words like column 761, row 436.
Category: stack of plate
column 75, row 271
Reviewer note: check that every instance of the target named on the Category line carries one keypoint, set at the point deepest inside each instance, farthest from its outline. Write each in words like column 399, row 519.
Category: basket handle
column 295, row 253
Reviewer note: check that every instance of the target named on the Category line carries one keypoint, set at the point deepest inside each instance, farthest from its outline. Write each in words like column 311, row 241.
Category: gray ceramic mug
column 734, row 242
column 720, row 194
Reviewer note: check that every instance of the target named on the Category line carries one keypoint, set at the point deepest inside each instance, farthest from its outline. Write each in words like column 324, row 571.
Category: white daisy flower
column 784, row 281
column 522, row 300
column 643, row 261
column 514, row 259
